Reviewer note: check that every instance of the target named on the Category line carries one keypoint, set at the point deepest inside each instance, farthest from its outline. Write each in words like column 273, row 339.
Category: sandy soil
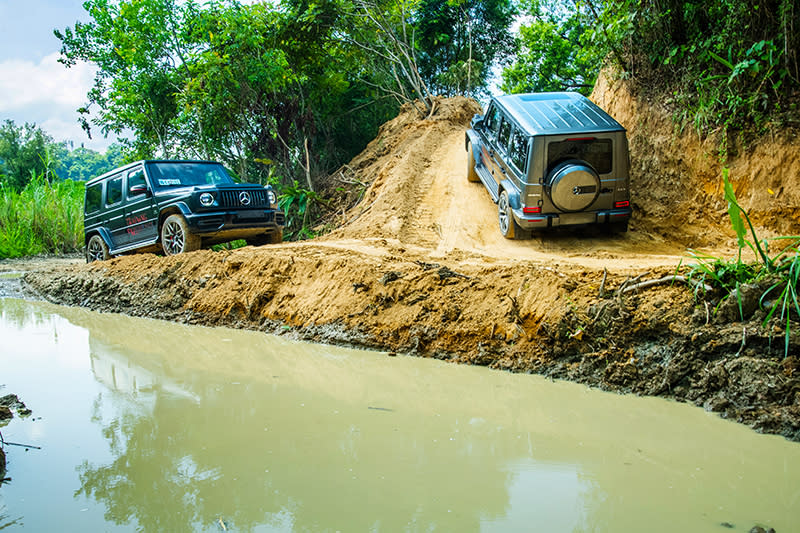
column 419, row 267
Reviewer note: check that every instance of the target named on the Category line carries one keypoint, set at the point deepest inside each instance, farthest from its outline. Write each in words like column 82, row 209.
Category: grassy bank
column 44, row 218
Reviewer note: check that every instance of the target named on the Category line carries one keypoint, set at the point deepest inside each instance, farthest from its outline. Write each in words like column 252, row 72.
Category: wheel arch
column 174, row 209
column 512, row 191
column 102, row 232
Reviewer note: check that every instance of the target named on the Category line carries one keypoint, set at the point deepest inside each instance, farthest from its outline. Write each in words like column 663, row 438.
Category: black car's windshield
column 186, row 174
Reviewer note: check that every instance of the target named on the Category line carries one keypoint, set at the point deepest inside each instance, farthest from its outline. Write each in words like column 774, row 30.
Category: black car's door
column 141, row 213
column 115, row 212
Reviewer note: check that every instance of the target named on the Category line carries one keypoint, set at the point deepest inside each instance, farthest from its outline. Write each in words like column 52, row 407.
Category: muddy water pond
column 146, row 425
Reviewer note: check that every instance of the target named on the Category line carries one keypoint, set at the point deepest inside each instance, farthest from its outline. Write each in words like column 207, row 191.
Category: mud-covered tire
column 472, row 174
column 508, row 226
column 96, row 249
column 176, row 237
column 272, row 237
column 617, row 227
column 276, row 237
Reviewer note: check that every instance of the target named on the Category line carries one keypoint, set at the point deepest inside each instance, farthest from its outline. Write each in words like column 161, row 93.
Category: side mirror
column 138, row 189
column 477, row 121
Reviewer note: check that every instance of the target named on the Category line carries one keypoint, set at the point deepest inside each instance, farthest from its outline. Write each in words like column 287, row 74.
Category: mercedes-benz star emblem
column 244, row 198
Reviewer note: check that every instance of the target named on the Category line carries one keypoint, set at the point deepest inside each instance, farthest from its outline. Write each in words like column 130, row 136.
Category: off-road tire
column 97, row 249
column 508, row 226
column 472, row 174
column 272, row 237
column 176, row 237
column 617, row 227
column 276, row 237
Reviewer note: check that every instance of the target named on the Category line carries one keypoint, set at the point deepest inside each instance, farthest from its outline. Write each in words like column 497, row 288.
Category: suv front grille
column 258, row 198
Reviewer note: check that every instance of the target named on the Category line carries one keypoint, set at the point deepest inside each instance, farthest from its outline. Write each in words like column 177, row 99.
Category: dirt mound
column 419, row 266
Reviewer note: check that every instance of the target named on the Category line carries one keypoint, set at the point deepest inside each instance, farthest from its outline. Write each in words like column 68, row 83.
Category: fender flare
column 472, row 138
column 513, row 193
column 178, row 208
column 104, row 234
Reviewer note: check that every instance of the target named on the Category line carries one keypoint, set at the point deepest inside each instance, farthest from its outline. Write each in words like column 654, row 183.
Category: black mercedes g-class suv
column 176, row 206
column 550, row 160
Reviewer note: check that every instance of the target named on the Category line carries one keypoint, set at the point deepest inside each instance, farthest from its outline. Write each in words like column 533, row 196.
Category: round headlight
column 271, row 197
column 206, row 199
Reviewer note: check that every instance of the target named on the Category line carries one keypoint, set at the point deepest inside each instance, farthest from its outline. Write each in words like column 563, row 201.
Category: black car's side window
column 94, row 196
column 114, row 191
column 135, row 177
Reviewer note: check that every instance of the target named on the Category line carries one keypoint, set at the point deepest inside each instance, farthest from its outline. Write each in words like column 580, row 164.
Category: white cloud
column 48, row 94
column 23, row 83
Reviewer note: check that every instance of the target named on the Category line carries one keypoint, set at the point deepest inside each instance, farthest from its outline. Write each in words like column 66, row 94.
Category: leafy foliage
column 28, row 151
column 460, row 41
column 727, row 63
column 262, row 88
column 82, row 164
column 556, row 51
column 780, row 271
column 25, row 151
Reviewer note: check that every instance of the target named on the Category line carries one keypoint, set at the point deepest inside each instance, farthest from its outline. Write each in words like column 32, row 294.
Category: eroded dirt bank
column 418, row 267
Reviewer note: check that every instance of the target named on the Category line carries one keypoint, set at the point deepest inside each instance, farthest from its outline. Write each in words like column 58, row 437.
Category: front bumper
column 554, row 220
column 236, row 224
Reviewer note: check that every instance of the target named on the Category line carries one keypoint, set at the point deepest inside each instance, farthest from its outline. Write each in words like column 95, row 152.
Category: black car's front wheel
column 97, row 249
column 472, row 174
column 273, row 237
column 176, row 237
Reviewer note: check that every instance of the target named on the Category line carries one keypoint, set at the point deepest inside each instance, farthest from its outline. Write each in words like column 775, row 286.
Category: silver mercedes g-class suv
column 550, row 160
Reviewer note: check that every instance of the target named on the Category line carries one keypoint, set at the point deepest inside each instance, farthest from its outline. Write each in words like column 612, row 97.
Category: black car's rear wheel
column 97, row 249
column 176, row 237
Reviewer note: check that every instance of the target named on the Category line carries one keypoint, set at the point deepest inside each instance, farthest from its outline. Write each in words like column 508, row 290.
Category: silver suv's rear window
column 596, row 152
column 176, row 174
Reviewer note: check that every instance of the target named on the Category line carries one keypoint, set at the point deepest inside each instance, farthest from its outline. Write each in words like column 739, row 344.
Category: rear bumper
column 544, row 221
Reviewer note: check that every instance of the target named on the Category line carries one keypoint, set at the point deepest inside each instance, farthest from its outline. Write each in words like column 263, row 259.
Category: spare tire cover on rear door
column 573, row 185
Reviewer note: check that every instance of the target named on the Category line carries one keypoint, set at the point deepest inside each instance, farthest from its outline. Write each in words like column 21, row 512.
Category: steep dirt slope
column 419, row 196
column 677, row 176
column 419, row 267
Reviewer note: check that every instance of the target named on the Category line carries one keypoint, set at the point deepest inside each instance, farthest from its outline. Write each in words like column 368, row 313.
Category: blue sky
column 34, row 87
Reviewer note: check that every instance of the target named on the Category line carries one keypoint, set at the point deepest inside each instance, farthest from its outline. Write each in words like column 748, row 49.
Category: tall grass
column 44, row 218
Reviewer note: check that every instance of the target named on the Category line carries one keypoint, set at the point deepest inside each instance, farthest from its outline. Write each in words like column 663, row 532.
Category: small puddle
column 153, row 426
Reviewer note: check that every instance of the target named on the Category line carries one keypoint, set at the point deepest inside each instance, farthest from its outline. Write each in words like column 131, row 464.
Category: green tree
column 729, row 63
column 139, row 47
column 556, row 51
column 271, row 91
column 460, row 41
column 25, row 151
column 82, row 164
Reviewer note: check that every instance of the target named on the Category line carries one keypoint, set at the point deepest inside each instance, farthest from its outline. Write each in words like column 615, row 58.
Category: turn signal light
column 531, row 210
column 625, row 203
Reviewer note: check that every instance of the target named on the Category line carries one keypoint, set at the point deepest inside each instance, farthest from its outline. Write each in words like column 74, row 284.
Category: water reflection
column 211, row 427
